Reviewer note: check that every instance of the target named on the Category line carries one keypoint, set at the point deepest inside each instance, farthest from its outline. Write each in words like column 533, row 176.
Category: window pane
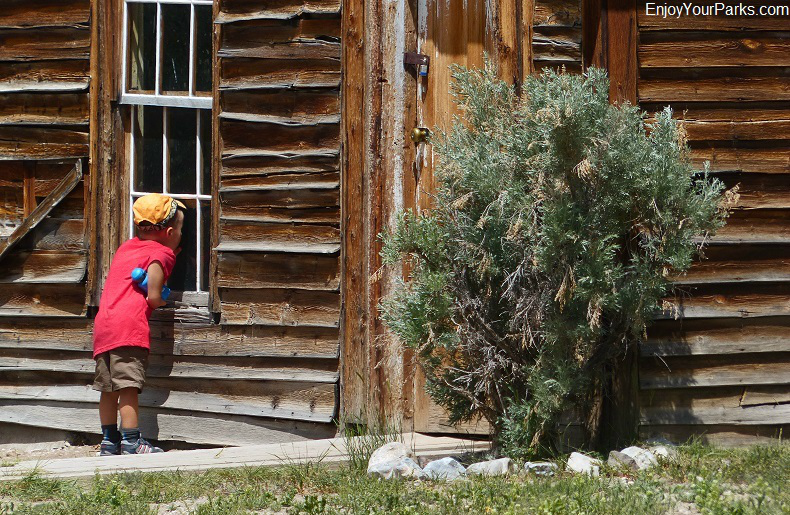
column 203, row 38
column 175, row 47
column 205, row 213
column 142, row 47
column 147, row 148
column 182, row 150
column 184, row 275
column 205, row 147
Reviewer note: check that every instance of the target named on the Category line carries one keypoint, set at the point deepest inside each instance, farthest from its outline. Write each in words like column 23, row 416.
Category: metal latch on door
column 419, row 61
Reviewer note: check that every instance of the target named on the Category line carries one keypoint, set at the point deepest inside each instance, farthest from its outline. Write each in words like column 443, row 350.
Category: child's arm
column 156, row 279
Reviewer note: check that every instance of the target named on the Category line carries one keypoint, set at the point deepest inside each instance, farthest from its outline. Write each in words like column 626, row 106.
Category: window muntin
column 166, row 81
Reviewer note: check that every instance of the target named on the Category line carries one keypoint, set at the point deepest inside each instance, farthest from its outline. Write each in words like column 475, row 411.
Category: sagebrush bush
column 556, row 222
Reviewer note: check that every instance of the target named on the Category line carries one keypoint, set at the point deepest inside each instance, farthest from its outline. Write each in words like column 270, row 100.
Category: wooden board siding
column 721, row 370
column 277, row 275
column 45, row 49
column 557, row 35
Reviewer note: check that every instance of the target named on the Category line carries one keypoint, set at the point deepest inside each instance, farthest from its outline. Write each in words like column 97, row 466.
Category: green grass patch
column 715, row 481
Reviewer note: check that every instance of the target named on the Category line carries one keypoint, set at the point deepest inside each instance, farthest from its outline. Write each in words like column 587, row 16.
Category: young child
column 121, row 337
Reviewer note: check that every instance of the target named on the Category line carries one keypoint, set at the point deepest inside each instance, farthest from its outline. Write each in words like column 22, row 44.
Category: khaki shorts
column 122, row 367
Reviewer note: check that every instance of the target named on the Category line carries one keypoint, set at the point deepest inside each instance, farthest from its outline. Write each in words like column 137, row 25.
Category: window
column 166, row 84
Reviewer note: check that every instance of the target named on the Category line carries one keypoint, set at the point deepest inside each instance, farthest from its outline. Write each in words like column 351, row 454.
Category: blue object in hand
column 141, row 278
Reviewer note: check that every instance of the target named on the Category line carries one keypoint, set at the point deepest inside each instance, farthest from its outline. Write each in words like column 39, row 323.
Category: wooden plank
column 242, row 33
column 246, row 138
column 44, row 43
column 164, row 424
column 259, row 46
column 356, row 48
column 185, row 367
column 755, row 226
column 648, row 21
column 725, row 337
column 180, row 339
column 240, row 10
column 313, row 404
column 685, row 372
column 720, row 436
column 44, row 266
column 264, row 166
column 621, row 45
column 726, row 122
column 42, row 143
column 46, row 76
column 276, row 270
column 738, row 265
column 277, row 73
column 44, row 13
column 240, row 201
column 298, row 180
column 560, row 13
column 730, row 305
column 720, row 89
column 773, row 159
column 44, row 109
column 65, row 187
column 280, row 307
column 284, row 247
column 557, row 45
column 56, row 234
column 274, row 233
column 43, row 300
column 297, row 107
column 712, row 49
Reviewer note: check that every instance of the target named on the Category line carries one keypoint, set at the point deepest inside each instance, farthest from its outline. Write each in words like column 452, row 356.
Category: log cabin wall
column 723, row 369
column 263, row 367
column 557, row 35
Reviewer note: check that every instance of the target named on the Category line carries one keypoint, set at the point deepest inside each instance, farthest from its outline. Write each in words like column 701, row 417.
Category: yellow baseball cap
column 156, row 209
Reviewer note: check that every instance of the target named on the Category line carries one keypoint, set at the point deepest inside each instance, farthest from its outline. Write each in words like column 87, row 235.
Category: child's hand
column 156, row 302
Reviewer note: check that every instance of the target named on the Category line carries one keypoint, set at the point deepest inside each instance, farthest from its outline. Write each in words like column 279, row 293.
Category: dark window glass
column 203, row 36
column 175, row 47
column 142, row 47
column 182, row 149
column 205, row 150
column 147, row 148
column 184, row 275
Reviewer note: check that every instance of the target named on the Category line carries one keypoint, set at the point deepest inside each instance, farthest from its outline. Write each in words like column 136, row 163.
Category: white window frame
column 172, row 99
column 187, row 99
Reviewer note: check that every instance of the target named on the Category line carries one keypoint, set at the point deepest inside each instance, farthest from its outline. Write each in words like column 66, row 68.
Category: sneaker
column 140, row 446
column 109, row 448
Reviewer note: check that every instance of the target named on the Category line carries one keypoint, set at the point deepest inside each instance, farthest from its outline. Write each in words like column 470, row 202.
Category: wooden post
column 621, row 41
column 29, row 188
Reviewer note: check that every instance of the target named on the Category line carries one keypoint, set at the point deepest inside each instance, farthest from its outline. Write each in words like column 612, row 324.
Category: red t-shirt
column 123, row 314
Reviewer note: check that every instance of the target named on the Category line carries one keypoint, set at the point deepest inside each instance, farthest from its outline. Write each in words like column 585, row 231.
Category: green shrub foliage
column 557, row 220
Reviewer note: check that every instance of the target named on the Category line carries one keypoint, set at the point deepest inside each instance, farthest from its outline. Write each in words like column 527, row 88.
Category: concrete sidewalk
column 271, row 455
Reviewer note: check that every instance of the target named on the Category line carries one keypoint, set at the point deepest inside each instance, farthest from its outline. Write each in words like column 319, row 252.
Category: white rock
column 388, row 453
column 619, row 459
column 582, row 464
column 644, row 459
column 445, row 468
column 499, row 467
column 665, row 451
column 402, row 468
column 541, row 468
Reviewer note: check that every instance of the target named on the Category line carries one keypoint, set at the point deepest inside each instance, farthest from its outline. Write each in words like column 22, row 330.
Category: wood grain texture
column 44, row 13
column 717, row 337
column 712, row 49
column 722, row 89
column 44, row 109
column 280, row 307
column 164, row 424
column 60, row 75
column 44, row 300
column 314, row 404
column 719, row 435
column 251, row 73
column 43, row 44
column 277, row 270
column 241, row 10
column 697, row 371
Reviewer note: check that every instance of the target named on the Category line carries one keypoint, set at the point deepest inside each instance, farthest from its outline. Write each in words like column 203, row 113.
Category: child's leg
column 129, row 407
column 108, row 408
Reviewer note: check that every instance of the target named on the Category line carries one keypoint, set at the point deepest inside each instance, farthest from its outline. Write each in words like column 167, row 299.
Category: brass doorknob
column 420, row 135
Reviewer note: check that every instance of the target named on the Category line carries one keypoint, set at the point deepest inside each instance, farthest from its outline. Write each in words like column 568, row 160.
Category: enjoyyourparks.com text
column 675, row 10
